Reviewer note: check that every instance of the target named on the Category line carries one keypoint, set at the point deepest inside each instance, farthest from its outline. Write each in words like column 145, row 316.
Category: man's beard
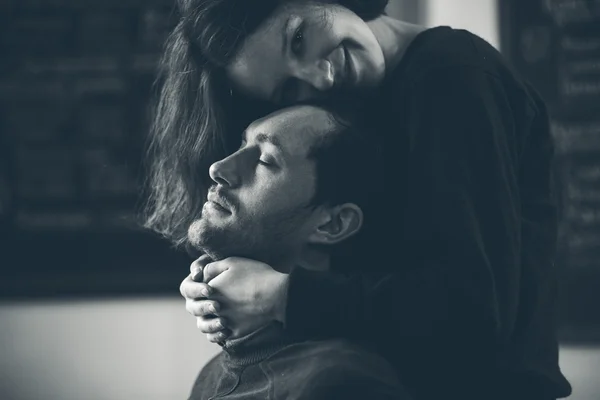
column 269, row 239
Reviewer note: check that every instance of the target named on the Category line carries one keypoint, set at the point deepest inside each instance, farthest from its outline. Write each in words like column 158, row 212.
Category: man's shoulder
column 321, row 369
column 336, row 348
column 334, row 361
column 208, row 377
column 336, row 354
column 212, row 364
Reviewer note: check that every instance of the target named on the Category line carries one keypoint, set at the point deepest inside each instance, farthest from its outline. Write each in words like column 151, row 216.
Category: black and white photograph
column 299, row 199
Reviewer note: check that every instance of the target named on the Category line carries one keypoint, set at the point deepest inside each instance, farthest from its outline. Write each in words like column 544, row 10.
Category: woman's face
column 307, row 50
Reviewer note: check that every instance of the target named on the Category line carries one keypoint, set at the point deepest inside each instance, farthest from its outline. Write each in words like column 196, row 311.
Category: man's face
column 259, row 206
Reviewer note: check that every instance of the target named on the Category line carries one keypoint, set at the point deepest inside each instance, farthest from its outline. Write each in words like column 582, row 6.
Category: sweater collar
column 258, row 345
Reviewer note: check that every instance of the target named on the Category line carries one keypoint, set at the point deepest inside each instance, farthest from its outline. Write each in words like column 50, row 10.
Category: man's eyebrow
column 265, row 138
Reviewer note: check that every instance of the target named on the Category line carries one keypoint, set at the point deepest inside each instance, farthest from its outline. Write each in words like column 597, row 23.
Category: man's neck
column 311, row 258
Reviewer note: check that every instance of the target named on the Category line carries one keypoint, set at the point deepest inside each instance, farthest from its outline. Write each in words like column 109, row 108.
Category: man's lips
column 213, row 197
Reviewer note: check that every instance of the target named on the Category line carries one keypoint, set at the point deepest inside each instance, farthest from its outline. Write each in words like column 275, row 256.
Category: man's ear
column 338, row 223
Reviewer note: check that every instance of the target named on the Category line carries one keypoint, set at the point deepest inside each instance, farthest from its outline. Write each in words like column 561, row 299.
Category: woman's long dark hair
column 197, row 120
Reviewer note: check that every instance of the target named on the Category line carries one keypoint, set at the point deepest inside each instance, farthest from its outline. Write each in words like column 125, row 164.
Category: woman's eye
column 265, row 163
column 297, row 41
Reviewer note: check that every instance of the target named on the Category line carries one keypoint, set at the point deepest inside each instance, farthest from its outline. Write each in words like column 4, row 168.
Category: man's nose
column 319, row 75
column 223, row 173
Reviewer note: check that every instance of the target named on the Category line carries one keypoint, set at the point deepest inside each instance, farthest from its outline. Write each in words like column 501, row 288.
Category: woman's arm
column 456, row 276
column 460, row 233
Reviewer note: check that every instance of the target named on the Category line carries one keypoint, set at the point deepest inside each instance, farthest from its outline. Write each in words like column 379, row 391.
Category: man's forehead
column 295, row 128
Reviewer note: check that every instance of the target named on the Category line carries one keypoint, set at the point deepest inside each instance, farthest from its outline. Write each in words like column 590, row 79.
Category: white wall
column 146, row 349
column 477, row 16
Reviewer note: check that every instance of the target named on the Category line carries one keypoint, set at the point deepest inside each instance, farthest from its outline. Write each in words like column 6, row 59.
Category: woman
column 460, row 296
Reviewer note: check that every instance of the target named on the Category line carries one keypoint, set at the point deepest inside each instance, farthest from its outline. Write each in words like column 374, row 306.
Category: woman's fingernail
column 204, row 292
column 212, row 308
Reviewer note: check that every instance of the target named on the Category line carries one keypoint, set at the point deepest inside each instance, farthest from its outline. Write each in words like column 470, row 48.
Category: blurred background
column 89, row 304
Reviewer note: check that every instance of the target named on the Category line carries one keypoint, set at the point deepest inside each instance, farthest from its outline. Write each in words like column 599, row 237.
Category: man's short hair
column 349, row 165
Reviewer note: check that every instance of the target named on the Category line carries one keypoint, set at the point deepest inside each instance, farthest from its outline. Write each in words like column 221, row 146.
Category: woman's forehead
column 257, row 64
column 273, row 28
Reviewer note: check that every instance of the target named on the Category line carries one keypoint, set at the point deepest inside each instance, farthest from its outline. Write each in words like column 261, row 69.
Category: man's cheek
column 260, row 205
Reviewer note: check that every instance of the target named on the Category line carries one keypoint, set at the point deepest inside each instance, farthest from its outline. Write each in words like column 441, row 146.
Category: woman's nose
column 319, row 75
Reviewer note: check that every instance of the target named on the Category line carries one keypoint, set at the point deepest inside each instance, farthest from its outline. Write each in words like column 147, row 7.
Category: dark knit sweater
column 267, row 365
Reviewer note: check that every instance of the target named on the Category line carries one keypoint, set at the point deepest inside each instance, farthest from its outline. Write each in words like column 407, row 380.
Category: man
column 288, row 197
